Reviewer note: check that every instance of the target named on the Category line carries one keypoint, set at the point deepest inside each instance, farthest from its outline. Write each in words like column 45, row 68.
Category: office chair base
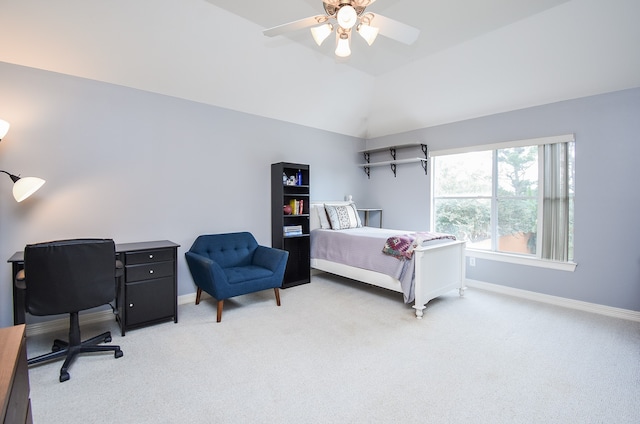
column 71, row 349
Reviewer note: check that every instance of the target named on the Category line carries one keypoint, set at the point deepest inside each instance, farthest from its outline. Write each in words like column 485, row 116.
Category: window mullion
column 494, row 202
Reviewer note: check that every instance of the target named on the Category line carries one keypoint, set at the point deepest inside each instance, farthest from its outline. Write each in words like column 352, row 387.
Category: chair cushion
column 246, row 273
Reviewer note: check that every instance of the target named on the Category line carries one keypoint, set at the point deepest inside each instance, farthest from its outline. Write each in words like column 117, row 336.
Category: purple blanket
column 402, row 246
column 362, row 248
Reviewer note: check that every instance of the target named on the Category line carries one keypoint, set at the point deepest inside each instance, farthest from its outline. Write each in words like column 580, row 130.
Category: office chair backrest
column 227, row 250
column 69, row 275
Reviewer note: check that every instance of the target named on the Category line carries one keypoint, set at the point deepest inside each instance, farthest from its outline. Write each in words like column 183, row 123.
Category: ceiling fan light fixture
column 320, row 33
column 347, row 16
column 343, row 48
column 368, row 32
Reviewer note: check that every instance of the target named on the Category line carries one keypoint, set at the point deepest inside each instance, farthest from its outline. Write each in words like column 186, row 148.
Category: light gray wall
column 135, row 166
column 607, row 206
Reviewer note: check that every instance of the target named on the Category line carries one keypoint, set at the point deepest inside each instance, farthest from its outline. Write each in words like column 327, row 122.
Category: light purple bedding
column 362, row 248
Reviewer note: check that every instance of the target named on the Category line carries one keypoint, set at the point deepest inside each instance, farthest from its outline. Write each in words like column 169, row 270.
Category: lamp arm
column 14, row 178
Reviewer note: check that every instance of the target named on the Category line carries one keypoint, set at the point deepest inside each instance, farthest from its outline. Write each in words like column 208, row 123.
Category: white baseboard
column 558, row 301
column 88, row 318
column 106, row 315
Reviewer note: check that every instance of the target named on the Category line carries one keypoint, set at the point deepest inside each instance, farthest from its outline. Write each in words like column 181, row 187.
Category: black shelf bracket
column 393, row 168
column 425, row 150
column 367, row 170
column 392, row 150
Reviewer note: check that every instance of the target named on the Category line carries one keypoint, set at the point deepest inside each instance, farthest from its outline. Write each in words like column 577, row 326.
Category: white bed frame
column 439, row 268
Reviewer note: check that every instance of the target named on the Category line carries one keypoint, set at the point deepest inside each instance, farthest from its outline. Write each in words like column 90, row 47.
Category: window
column 514, row 198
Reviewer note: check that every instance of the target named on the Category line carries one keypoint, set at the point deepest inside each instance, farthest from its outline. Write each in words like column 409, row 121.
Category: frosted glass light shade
column 320, row 33
column 368, row 32
column 25, row 187
column 342, row 48
column 4, row 128
column 347, row 17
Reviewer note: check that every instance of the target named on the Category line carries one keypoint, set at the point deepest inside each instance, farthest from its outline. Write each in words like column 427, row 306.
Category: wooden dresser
column 14, row 376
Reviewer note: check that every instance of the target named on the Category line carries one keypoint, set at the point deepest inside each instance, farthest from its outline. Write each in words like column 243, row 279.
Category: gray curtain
column 555, row 240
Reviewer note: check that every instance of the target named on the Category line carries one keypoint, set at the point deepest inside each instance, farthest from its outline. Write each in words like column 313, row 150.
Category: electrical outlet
column 472, row 261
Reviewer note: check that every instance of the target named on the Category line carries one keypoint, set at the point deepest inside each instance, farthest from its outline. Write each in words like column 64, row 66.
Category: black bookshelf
column 296, row 242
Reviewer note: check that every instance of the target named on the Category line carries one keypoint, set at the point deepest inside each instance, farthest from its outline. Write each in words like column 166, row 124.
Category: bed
column 350, row 250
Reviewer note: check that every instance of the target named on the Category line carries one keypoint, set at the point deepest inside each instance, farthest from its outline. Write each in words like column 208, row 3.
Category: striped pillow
column 342, row 217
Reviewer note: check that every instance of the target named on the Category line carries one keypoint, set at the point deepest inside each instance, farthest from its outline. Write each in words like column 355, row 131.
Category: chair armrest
column 119, row 268
column 207, row 274
column 270, row 258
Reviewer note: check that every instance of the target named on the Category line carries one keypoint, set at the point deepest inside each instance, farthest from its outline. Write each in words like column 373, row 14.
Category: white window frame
column 501, row 256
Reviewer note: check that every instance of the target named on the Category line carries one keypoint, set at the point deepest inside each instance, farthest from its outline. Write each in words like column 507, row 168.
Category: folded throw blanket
column 402, row 246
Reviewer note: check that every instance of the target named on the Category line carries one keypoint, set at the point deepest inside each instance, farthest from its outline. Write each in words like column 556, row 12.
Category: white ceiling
column 472, row 58
column 442, row 24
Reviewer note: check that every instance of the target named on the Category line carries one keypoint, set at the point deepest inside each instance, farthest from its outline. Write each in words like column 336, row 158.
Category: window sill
column 521, row 260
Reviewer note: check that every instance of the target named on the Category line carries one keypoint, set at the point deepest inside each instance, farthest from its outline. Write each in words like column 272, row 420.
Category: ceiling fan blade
column 395, row 30
column 295, row 25
column 363, row 3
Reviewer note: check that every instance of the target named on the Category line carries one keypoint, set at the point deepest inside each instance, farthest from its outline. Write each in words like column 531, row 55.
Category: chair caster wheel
column 55, row 348
column 107, row 339
column 64, row 376
column 118, row 354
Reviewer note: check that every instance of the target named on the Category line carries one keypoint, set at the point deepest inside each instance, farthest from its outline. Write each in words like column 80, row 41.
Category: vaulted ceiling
column 472, row 58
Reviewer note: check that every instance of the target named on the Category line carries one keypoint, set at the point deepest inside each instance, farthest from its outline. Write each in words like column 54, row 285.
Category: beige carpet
column 337, row 351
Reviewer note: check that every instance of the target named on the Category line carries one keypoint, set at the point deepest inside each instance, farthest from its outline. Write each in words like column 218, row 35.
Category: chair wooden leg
column 198, row 294
column 277, row 290
column 220, row 305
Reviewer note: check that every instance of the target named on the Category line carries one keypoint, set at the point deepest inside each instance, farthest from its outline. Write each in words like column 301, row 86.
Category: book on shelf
column 297, row 206
column 292, row 230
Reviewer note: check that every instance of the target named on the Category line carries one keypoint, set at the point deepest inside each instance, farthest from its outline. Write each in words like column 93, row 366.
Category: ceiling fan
column 347, row 15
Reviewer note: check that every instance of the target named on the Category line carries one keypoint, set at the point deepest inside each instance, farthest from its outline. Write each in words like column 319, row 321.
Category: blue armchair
column 228, row 265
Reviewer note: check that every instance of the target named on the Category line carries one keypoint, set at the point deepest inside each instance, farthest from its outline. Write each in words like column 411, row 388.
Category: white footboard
column 439, row 269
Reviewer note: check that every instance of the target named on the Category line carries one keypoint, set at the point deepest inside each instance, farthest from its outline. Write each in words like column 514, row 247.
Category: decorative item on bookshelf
column 286, row 209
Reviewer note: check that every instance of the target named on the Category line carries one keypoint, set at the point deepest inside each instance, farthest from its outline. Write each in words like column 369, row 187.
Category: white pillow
column 342, row 217
column 324, row 220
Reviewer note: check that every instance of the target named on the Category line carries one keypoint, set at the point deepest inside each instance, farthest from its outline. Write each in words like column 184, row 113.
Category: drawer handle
column 131, row 305
column 150, row 256
column 150, row 271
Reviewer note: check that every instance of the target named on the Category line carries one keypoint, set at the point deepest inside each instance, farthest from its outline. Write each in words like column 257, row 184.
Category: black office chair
column 69, row 276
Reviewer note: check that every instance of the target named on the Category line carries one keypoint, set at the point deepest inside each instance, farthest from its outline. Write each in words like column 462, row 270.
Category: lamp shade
column 25, row 187
column 368, row 32
column 320, row 33
column 4, row 128
column 347, row 17
column 342, row 48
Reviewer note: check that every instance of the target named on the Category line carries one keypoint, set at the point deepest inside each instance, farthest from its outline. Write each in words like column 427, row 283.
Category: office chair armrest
column 119, row 268
column 20, row 280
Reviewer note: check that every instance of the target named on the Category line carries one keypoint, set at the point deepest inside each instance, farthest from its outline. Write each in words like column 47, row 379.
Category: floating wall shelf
column 392, row 163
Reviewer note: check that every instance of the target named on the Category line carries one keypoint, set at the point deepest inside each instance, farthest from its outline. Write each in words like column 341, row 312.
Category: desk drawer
column 146, row 256
column 148, row 271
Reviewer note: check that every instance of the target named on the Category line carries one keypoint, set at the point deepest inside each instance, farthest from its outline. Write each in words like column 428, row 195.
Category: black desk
column 148, row 292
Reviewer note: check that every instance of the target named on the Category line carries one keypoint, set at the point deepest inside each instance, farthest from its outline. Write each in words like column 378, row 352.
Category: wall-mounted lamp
column 24, row 187
column 4, row 128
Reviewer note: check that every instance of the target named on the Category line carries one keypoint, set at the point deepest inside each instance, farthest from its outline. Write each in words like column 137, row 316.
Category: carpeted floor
column 338, row 351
